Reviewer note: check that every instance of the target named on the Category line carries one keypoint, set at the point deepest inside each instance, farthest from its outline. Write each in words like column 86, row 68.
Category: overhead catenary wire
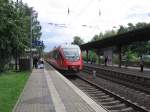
column 77, row 14
column 83, row 10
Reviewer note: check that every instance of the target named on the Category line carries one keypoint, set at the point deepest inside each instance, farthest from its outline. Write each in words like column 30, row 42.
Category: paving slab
column 48, row 91
column 74, row 100
column 35, row 96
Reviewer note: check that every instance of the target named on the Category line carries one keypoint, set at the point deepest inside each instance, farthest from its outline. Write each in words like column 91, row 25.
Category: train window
column 59, row 56
column 56, row 55
column 71, row 53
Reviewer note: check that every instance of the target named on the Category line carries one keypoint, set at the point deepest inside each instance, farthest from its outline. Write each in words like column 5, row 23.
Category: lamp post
column 32, row 13
column 16, row 55
column 31, row 39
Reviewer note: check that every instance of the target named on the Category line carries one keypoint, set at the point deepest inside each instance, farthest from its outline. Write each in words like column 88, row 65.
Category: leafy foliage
column 95, row 38
column 15, row 30
column 109, row 33
column 77, row 40
column 134, row 50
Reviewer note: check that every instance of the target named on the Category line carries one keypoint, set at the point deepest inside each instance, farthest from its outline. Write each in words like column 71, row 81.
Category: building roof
column 142, row 34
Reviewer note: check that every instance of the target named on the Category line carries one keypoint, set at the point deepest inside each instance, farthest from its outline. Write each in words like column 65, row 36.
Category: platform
column 48, row 91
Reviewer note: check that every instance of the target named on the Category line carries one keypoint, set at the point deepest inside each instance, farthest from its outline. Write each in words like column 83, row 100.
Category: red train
column 66, row 57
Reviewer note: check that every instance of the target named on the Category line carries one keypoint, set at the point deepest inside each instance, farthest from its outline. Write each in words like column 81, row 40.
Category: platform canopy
column 142, row 34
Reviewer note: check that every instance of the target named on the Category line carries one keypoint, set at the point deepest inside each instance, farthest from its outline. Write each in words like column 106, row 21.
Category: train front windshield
column 71, row 53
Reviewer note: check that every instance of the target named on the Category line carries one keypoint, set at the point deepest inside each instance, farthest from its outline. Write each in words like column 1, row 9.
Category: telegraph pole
column 31, row 60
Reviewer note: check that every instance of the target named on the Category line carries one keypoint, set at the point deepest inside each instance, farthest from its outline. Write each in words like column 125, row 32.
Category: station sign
column 37, row 43
column 28, row 50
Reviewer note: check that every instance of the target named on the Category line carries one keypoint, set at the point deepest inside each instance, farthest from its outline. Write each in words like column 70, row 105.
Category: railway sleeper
column 86, row 87
column 116, row 107
column 147, row 102
column 102, row 96
column 124, row 110
column 89, row 88
column 129, row 109
column 101, row 93
column 92, row 90
column 95, row 97
column 111, row 103
column 115, row 110
column 97, row 92
column 107, row 100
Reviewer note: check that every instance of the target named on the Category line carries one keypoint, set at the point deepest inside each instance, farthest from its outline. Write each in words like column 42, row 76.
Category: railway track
column 131, row 81
column 106, row 98
column 129, row 90
column 113, row 97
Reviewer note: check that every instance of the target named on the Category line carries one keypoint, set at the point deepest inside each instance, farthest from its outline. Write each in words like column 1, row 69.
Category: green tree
column 15, row 30
column 141, row 25
column 77, row 40
column 95, row 38
column 109, row 33
column 135, row 49
column 7, row 29
column 101, row 35
column 130, row 27
column 122, row 29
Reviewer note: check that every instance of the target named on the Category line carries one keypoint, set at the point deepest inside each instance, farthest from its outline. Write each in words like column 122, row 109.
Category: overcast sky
column 84, row 18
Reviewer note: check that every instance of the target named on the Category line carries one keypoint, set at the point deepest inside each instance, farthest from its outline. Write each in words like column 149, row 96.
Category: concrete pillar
column 119, row 54
column 98, row 58
column 87, row 55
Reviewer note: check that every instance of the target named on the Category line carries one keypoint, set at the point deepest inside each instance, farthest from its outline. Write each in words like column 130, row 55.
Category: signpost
column 37, row 43
column 28, row 50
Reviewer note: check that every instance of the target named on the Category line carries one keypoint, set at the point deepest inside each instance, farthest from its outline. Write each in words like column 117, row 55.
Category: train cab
column 67, row 57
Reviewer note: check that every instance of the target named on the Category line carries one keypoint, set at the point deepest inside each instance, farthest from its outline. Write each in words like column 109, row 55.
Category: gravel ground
column 135, row 96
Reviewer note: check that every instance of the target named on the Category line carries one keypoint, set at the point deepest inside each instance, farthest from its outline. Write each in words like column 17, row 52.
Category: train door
column 54, row 58
column 59, row 60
